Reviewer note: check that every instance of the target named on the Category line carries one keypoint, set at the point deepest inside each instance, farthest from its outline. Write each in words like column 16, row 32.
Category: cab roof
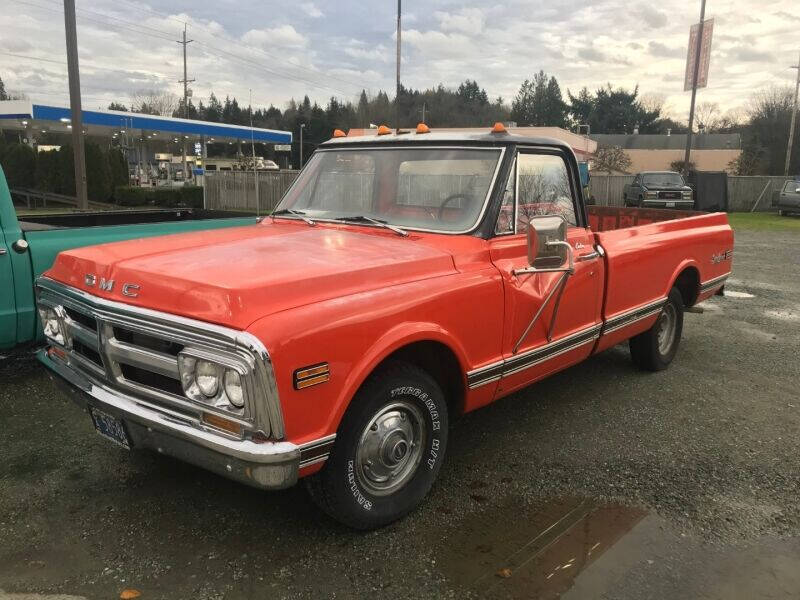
column 411, row 137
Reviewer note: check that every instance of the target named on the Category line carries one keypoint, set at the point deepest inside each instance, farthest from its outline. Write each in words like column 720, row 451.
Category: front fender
column 393, row 340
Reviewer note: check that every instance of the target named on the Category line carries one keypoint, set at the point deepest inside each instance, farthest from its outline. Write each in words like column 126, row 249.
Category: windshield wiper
column 378, row 222
column 297, row 213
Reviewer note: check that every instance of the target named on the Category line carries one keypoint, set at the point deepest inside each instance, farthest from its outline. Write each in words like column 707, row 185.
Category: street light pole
column 794, row 120
column 76, row 121
column 698, row 47
column 185, row 81
column 397, row 92
column 302, row 126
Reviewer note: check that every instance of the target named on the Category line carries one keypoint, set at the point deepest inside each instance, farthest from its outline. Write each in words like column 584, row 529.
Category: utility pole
column 185, row 81
column 253, row 147
column 71, row 31
column 397, row 92
column 302, row 126
column 794, row 120
column 699, row 45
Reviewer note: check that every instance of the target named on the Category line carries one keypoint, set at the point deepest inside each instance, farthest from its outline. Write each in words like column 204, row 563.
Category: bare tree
column 609, row 159
column 707, row 116
column 654, row 102
column 154, row 102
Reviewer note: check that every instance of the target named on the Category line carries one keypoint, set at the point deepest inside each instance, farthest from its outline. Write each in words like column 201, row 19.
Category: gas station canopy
column 23, row 115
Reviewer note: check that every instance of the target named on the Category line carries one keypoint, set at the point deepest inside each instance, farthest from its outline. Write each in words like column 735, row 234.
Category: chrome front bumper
column 268, row 465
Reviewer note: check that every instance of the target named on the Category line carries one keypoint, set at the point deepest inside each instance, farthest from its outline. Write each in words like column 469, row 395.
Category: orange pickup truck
column 404, row 279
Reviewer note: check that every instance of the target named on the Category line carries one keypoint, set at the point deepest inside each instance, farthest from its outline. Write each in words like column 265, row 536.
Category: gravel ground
column 686, row 480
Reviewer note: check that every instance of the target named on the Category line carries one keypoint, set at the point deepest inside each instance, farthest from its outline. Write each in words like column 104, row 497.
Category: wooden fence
column 744, row 193
column 236, row 190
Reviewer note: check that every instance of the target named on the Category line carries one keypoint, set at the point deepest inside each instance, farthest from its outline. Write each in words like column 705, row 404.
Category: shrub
column 98, row 176
column 118, row 167
column 187, row 196
column 47, row 177
column 19, row 164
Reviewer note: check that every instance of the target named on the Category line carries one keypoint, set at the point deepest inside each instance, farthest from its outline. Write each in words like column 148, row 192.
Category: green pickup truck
column 29, row 244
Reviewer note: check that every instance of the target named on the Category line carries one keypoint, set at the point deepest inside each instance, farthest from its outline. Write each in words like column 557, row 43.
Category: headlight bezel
column 60, row 318
column 188, row 360
column 650, row 194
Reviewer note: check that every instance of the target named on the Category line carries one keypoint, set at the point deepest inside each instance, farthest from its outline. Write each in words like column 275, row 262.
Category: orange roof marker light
column 499, row 128
column 383, row 130
column 422, row 128
column 339, row 133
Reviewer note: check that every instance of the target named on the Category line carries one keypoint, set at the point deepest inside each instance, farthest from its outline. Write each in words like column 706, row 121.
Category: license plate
column 670, row 205
column 110, row 427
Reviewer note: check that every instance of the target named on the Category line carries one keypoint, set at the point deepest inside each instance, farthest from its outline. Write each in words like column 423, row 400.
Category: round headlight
column 233, row 388
column 207, row 377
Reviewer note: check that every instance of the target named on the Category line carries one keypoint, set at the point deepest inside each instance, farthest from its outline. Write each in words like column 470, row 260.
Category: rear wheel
column 388, row 452
column 654, row 349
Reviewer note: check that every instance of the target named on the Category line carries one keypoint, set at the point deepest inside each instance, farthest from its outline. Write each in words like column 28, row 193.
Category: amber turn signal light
column 339, row 133
column 383, row 130
column 311, row 375
column 222, row 423
column 422, row 128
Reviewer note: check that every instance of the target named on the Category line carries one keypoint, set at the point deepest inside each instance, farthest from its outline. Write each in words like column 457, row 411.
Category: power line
column 245, row 46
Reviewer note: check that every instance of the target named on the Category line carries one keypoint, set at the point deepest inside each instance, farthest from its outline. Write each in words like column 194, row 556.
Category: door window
column 543, row 188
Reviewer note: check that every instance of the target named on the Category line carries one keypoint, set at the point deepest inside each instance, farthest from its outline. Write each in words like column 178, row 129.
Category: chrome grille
column 135, row 351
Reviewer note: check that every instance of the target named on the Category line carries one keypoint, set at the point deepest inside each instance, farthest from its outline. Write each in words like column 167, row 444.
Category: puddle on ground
column 534, row 551
column 735, row 294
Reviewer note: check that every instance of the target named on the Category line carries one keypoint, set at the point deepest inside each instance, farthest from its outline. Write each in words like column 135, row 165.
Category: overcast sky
column 323, row 49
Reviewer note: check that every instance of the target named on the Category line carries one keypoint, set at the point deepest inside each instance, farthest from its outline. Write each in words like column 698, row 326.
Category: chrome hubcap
column 390, row 448
column 666, row 328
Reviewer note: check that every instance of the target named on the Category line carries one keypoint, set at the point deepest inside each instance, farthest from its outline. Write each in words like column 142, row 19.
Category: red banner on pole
column 705, row 55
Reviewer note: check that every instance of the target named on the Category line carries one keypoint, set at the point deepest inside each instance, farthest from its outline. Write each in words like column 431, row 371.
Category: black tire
column 654, row 350
column 344, row 489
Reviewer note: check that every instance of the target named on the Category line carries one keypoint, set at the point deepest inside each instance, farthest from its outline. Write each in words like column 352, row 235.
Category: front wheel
column 388, row 452
column 654, row 349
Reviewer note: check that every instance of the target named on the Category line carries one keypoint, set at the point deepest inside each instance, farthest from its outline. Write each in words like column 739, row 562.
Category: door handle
column 588, row 256
column 3, row 251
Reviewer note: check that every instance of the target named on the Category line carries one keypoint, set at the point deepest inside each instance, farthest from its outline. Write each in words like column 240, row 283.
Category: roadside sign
column 283, row 147
column 705, row 55
column 198, row 148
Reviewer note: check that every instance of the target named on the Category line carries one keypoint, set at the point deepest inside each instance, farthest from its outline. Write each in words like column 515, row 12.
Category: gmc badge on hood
column 107, row 285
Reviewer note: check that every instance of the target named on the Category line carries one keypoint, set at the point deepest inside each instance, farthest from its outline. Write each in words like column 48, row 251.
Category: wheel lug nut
column 374, row 427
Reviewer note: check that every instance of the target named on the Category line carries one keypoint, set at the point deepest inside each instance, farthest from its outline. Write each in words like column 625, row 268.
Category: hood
column 235, row 276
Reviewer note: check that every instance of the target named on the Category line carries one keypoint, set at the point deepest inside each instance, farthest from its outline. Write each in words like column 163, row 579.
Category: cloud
column 284, row 36
column 311, row 10
column 468, row 20
column 652, row 17
column 663, row 51
column 750, row 54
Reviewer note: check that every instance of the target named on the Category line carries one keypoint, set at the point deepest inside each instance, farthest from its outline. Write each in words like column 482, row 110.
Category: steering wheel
column 448, row 200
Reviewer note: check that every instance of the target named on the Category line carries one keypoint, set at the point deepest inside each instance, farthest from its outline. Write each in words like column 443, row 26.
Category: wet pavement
column 599, row 482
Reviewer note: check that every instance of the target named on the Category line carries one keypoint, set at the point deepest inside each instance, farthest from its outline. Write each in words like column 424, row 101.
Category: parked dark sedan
column 658, row 189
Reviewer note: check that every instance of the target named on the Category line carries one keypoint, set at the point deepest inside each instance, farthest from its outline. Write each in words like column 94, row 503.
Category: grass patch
column 763, row 222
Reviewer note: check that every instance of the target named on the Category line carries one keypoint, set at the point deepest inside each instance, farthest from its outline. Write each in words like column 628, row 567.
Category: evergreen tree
column 539, row 103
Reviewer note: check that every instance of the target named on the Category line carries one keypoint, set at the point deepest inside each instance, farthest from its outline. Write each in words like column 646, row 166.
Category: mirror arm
column 559, row 287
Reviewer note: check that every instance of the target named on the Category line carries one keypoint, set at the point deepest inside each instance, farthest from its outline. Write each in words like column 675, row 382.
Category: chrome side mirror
column 548, row 249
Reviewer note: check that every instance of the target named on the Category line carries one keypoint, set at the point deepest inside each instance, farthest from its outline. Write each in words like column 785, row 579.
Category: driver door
column 541, row 185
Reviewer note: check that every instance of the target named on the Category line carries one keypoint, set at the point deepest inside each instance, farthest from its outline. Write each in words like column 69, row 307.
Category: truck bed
column 647, row 251
column 34, row 222
column 607, row 218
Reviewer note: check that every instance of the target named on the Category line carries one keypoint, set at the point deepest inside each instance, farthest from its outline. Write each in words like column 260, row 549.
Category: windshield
column 663, row 179
column 442, row 189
